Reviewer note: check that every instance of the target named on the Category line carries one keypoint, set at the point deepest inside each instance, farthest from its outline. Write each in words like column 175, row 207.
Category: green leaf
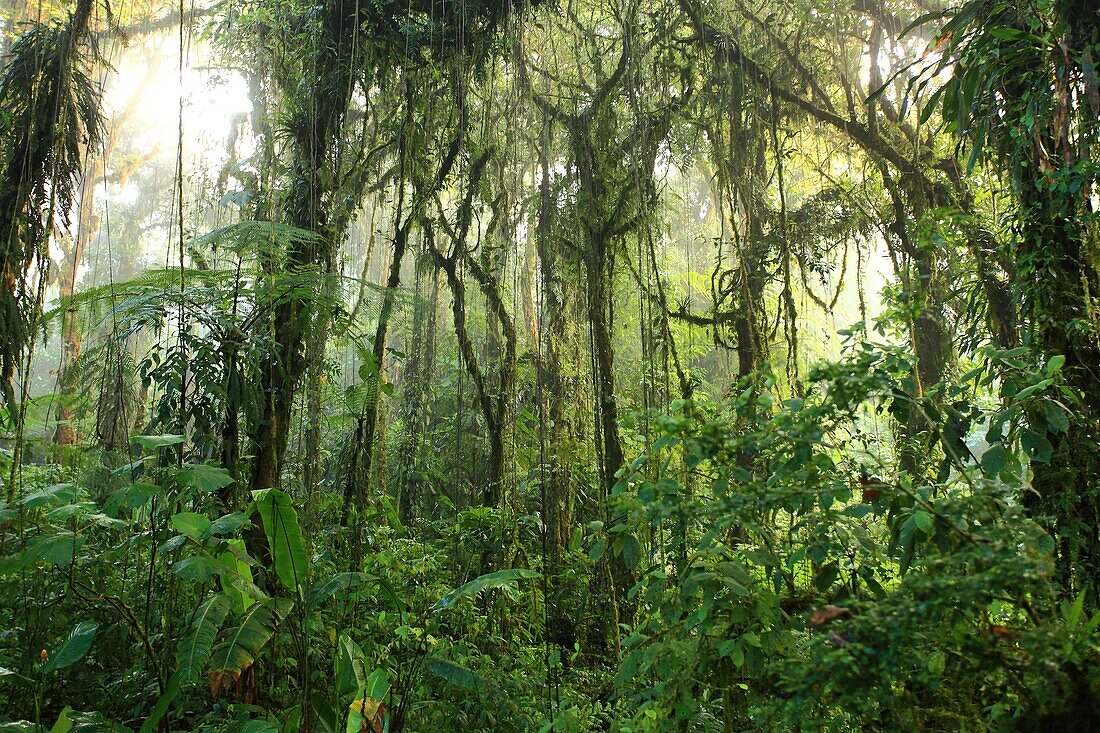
column 171, row 691
column 826, row 576
column 64, row 723
column 1036, row 446
column 937, row 662
column 203, row 477
column 132, row 497
column 152, row 442
column 228, row 524
column 335, row 584
column 632, row 551
column 378, row 683
column 55, row 495
column 457, row 675
column 284, row 536
column 197, row 645
column 499, row 579
column 56, row 549
column 74, row 647
column 238, row 650
column 351, row 679
column 236, row 576
column 923, row 520
column 197, row 569
column 1057, row 419
column 993, row 460
column 192, row 654
column 190, row 523
column 259, row 726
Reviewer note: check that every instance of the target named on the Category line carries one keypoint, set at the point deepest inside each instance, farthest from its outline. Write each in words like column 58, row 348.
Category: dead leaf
column 826, row 614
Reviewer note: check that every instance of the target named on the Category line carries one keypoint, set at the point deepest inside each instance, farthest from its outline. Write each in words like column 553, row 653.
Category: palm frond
column 49, row 115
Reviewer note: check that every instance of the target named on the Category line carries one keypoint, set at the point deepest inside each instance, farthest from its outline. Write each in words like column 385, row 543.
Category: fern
column 268, row 239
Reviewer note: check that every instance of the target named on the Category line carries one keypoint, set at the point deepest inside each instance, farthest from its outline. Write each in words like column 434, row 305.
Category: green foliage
column 72, row 650
column 284, row 536
column 49, row 110
column 241, row 643
column 798, row 584
column 501, row 579
column 485, row 430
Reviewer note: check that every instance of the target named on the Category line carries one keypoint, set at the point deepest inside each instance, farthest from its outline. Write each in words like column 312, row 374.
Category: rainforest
column 401, row 366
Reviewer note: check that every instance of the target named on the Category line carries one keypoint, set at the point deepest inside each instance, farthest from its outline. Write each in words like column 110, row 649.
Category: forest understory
column 549, row 365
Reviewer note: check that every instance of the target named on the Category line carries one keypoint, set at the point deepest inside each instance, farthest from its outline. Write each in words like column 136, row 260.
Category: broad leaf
column 457, row 675
column 489, row 581
column 74, row 647
column 238, row 649
column 152, row 442
column 335, row 584
column 351, row 679
column 204, row 478
column 55, row 495
column 284, row 536
column 196, row 647
column 190, row 523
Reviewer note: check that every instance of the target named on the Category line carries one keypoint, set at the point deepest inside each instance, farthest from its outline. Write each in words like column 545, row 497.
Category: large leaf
column 238, row 649
column 56, row 549
column 227, row 524
column 351, row 679
column 192, row 654
column 203, row 477
column 133, row 496
column 335, row 584
column 457, row 675
column 284, row 536
column 237, row 576
column 192, row 524
column 74, row 647
column 499, row 579
column 367, row 712
column 152, row 442
column 64, row 723
column 50, row 496
column 171, row 690
column 195, row 649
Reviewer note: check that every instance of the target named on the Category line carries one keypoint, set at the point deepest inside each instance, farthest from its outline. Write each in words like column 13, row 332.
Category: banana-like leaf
column 192, row 655
column 457, row 675
column 196, row 648
column 284, row 536
column 335, row 584
column 238, row 649
column 236, row 577
column 74, row 647
column 351, row 678
column 64, row 723
column 499, row 579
